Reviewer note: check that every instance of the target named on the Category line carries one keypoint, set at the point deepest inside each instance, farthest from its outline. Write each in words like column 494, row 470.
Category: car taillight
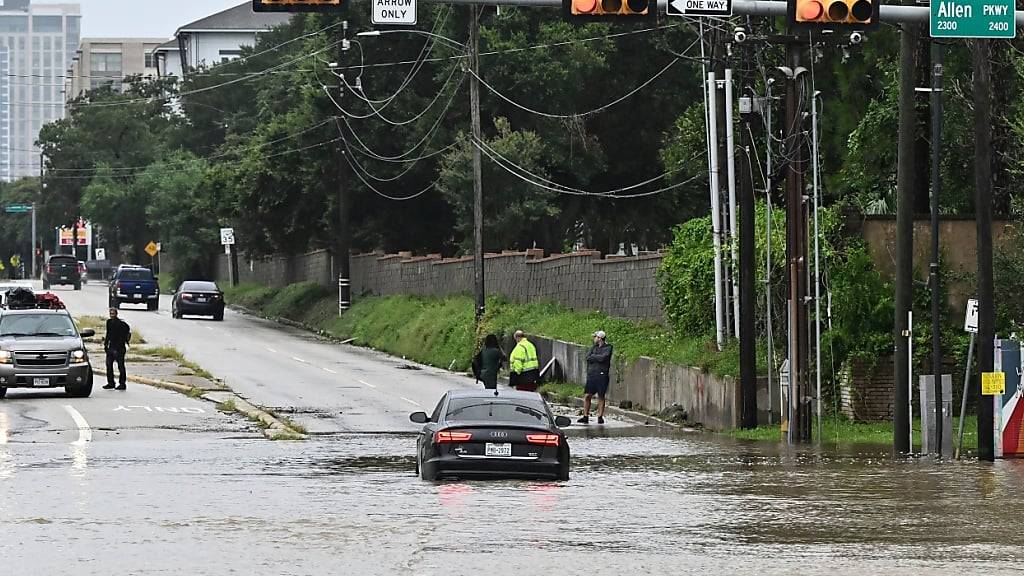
column 448, row 436
column 49, row 269
column 120, row 284
column 186, row 296
column 544, row 439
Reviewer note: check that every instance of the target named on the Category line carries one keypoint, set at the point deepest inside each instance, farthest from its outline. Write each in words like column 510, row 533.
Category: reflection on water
column 636, row 503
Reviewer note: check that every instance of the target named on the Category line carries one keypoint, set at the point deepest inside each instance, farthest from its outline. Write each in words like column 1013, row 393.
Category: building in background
column 39, row 41
column 100, row 61
column 215, row 39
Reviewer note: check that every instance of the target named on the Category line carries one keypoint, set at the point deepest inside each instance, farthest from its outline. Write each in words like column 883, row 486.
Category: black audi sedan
column 198, row 298
column 491, row 433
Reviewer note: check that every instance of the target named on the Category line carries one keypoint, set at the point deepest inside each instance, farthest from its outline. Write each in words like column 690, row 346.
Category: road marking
column 411, row 402
column 209, row 328
column 365, row 383
column 272, row 351
column 328, row 370
column 165, row 409
column 297, row 359
column 4, row 424
column 84, row 432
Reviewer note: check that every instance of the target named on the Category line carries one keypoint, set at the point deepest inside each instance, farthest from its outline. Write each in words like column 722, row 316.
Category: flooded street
column 640, row 501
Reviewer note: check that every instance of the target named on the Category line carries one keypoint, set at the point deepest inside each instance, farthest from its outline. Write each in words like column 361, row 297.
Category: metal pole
column 906, row 173
column 983, row 216
column 910, row 380
column 716, row 211
column 478, row 194
column 963, row 400
column 748, row 293
column 817, row 263
column 33, row 256
column 730, row 156
column 933, row 268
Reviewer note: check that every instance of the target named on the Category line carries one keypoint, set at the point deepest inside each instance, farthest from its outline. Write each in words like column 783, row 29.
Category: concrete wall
column 279, row 271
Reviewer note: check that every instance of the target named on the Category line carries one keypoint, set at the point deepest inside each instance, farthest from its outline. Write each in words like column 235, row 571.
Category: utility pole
column 933, row 268
column 478, row 194
column 42, row 187
column 796, row 252
column 343, row 247
column 904, row 240
column 747, row 273
column 980, row 52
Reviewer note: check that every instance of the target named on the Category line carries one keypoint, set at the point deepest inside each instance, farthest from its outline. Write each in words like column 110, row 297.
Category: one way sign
column 699, row 8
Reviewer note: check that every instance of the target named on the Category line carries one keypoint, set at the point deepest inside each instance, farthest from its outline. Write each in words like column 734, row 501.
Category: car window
column 436, row 415
column 135, row 275
column 55, row 325
column 497, row 409
column 60, row 260
column 199, row 287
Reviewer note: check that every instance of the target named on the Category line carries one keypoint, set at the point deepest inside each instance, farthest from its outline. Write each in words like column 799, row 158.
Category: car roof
column 22, row 311
column 504, row 393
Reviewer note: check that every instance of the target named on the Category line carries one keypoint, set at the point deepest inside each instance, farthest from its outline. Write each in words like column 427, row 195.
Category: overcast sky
column 143, row 18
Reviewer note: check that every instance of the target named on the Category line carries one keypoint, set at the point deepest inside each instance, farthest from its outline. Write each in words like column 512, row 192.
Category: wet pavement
column 152, row 482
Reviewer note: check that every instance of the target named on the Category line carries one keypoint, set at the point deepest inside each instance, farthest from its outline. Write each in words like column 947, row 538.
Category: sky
column 142, row 18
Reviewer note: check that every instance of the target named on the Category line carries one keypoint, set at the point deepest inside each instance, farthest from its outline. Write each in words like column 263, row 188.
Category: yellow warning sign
column 993, row 383
column 152, row 249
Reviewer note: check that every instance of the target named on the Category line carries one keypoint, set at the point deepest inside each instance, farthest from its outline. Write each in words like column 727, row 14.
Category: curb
column 637, row 417
column 274, row 430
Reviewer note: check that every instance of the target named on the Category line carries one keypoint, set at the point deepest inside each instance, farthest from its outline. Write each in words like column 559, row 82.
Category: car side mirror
column 156, row 278
column 87, row 333
column 563, row 421
column 419, row 417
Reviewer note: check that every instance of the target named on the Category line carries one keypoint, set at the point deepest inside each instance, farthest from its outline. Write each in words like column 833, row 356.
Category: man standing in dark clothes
column 599, row 366
column 115, row 344
column 488, row 362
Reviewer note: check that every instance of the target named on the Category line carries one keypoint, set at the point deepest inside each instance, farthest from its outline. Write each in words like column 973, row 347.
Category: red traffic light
column 583, row 11
column 833, row 14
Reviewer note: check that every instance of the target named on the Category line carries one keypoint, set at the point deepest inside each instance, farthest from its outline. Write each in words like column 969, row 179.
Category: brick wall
column 278, row 271
column 866, row 391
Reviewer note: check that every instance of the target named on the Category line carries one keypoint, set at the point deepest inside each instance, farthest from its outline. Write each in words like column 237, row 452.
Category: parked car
column 83, row 270
column 62, row 270
column 43, row 348
column 198, row 298
column 135, row 285
column 495, row 433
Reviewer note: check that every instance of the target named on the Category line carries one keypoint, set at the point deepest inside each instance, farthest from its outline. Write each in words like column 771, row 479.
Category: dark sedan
column 198, row 298
column 491, row 433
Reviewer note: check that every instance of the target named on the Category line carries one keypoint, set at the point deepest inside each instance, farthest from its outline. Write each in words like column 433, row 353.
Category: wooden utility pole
column 748, row 273
column 983, row 216
column 906, row 172
column 343, row 241
column 478, row 193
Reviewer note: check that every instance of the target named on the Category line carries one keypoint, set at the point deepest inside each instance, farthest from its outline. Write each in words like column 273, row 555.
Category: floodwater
column 640, row 501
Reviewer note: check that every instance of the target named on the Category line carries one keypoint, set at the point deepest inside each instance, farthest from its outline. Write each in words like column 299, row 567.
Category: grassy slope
column 843, row 431
column 438, row 331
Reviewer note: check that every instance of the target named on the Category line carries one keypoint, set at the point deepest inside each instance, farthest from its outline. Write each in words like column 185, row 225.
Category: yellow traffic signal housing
column 824, row 15
column 300, row 5
column 583, row 11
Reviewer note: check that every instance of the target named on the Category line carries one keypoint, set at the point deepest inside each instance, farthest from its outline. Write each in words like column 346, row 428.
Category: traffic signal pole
column 933, row 268
column 980, row 53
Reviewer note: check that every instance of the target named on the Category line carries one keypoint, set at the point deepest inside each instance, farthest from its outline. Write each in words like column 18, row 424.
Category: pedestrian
column 488, row 362
column 115, row 344
column 524, row 366
column 599, row 365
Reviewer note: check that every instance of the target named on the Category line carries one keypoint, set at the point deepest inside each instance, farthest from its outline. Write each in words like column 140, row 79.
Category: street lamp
column 474, row 102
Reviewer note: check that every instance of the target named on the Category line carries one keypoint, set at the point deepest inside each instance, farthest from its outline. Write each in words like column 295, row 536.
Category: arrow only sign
column 699, row 8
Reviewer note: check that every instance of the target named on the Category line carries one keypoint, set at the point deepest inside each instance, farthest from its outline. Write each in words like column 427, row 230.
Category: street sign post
column 227, row 236
column 973, row 19
column 698, row 8
column 101, row 254
column 18, row 208
column 152, row 249
column 397, row 12
column 971, row 318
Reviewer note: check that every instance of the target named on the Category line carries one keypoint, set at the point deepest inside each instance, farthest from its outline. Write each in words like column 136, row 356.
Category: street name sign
column 699, row 8
column 973, row 19
column 396, row 12
column 993, row 383
column 18, row 208
column 227, row 236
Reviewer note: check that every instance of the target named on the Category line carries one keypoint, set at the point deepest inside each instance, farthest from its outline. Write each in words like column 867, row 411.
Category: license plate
column 138, row 296
column 63, row 277
column 498, row 450
column 41, row 382
column 201, row 300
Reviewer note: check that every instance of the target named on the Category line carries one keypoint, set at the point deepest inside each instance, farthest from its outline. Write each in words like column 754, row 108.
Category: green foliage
column 862, row 308
column 843, row 432
column 294, row 300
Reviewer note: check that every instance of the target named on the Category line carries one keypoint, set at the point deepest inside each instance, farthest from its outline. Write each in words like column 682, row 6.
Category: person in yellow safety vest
column 15, row 263
column 524, row 365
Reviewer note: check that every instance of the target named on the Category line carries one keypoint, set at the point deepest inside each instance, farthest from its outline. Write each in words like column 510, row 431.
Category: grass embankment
column 843, row 431
column 438, row 331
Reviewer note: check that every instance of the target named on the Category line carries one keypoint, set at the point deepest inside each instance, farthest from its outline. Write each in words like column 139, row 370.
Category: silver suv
column 42, row 348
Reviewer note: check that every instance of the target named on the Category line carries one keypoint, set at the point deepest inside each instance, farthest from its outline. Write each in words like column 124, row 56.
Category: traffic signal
column 299, row 5
column 583, row 11
column 823, row 15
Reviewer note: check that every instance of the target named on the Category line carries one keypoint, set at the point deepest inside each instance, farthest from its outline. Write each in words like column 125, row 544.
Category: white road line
column 411, row 402
column 209, row 328
column 328, row 370
column 297, row 359
column 84, row 432
column 4, row 427
column 272, row 351
column 365, row 383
